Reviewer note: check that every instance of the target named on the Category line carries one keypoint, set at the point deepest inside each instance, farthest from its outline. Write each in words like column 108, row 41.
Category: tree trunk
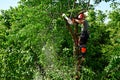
column 76, row 49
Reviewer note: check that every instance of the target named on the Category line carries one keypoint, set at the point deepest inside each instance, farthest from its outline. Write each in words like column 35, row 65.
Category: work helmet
column 81, row 16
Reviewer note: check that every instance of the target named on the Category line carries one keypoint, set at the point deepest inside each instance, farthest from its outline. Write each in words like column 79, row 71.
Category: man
column 84, row 33
column 84, row 30
column 82, row 39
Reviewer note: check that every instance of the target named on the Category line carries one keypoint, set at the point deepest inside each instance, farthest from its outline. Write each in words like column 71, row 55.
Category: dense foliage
column 35, row 44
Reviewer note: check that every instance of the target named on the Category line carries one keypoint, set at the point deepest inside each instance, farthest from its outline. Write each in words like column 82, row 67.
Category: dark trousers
column 84, row 37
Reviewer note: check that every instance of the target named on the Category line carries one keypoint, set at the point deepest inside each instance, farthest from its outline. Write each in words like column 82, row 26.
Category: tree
column 35, row 43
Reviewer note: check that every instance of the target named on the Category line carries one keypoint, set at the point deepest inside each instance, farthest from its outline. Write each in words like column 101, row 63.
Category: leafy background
column 35, row 44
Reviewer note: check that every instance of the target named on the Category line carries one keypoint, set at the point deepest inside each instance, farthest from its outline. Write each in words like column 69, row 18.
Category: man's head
column 81, row 16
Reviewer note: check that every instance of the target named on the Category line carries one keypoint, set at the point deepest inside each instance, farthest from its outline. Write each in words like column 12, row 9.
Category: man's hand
column 68, row 19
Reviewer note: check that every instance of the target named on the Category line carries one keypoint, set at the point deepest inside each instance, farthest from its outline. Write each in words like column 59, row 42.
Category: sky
column 5, row 4
column 103, row 6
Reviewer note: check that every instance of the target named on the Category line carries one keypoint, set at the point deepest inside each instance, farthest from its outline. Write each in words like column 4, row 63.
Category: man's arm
column 79, row 21
column 68, row 19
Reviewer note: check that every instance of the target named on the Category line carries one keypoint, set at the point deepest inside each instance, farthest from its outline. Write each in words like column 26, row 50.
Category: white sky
column 5, row 4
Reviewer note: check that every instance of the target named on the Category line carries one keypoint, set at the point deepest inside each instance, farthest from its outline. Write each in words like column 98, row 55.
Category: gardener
column 84, row 30
column 83, row 34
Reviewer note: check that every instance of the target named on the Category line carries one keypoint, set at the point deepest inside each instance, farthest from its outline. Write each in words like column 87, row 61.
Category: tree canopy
column 35, row 44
